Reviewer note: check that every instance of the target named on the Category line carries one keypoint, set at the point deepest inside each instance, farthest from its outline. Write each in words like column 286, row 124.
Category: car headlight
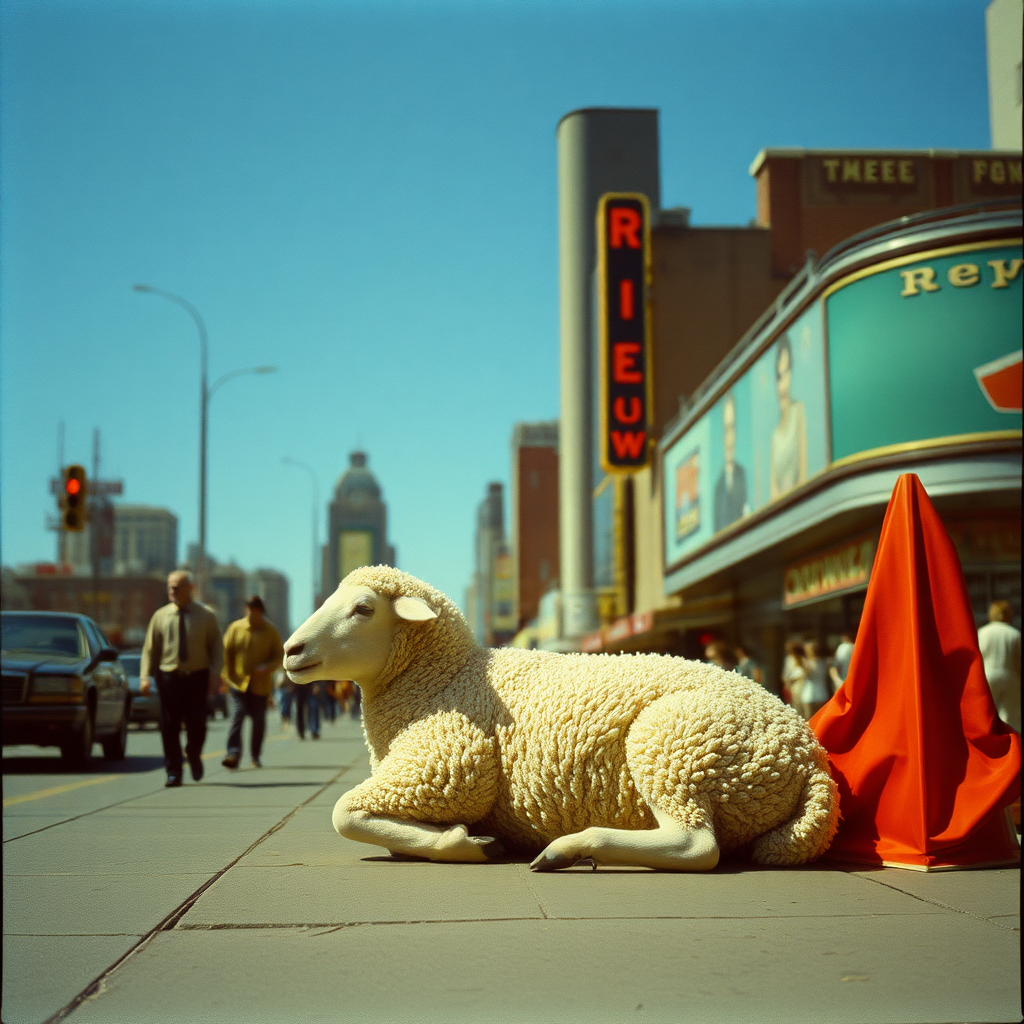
column 64, row 685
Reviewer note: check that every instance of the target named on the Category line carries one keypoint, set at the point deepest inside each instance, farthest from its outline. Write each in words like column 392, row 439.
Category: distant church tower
column 357, row 526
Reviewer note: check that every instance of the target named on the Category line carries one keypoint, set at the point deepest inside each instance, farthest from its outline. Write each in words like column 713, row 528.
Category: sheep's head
column 362, row 626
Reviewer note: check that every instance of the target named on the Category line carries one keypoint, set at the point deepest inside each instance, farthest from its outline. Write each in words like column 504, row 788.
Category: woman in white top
column 789, row 441
column 817, row 687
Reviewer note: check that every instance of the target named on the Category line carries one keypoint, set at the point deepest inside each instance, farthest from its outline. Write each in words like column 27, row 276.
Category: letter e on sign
column 623, row 270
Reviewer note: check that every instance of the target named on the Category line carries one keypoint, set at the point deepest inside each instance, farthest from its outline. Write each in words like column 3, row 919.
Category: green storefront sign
column 904, row 340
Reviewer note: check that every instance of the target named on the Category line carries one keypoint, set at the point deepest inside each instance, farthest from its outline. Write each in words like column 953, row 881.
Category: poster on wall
column 764, row 436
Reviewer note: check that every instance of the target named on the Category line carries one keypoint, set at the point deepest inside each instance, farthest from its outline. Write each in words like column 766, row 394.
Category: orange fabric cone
column 924, row 765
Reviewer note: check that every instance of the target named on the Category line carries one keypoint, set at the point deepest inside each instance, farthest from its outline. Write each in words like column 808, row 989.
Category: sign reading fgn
column 623, row 265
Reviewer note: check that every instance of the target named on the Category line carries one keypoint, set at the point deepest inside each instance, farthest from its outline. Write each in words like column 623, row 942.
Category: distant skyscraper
column 492, row 611
column 357, row 531
column 135, row 540
column 225, row 591
column 272, row 586
column 145, row 540
column 534, row 515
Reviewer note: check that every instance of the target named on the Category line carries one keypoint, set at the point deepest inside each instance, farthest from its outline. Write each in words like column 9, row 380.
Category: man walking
column 183, row 654
column 253, row 652
column 999, row 643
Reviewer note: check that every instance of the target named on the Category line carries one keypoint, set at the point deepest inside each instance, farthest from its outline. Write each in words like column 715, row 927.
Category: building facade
column 900, row 352
column 145, row 540
column 534, row 515
column 357, row 525
column 491, row 595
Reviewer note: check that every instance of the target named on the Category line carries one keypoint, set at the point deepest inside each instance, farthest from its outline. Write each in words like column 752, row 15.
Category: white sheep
column 645, row 760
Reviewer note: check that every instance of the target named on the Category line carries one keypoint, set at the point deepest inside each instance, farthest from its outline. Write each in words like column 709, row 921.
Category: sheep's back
column 561, row 738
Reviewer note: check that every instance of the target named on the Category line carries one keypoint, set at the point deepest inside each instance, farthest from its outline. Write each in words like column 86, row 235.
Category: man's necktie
column 182, row 638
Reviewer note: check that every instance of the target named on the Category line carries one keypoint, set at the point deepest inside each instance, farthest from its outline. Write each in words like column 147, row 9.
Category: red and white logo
column 1000, row 382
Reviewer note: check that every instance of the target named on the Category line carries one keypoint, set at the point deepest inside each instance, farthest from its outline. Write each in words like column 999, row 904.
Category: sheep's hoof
column 491, row 847
column 548, row 861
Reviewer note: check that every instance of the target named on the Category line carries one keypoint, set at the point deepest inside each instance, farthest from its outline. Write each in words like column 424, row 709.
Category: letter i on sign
column 626, row 299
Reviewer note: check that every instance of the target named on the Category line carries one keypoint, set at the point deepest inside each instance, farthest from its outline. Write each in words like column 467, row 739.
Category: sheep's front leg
column 669, row 847
column 414, row 838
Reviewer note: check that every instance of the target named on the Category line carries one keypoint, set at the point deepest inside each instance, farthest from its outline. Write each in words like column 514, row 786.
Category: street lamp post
column 205, row 393
column 289, row 461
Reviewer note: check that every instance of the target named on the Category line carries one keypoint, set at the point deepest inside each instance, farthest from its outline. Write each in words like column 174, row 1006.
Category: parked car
column 145, row 706
column 63, row 685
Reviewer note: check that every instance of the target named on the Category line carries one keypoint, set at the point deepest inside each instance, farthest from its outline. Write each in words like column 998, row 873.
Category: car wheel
column 114, row 747
column 77, row 750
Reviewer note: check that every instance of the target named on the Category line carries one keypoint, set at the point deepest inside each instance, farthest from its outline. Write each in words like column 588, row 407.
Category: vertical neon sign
column 623, row 274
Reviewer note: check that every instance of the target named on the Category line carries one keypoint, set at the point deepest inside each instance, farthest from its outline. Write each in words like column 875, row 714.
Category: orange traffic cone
column 925, row 767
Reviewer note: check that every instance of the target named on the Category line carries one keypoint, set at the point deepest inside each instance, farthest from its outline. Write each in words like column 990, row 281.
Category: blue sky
column 364, row 195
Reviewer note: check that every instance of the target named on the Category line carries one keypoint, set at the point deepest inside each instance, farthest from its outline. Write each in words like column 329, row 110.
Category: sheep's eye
column 364, row 609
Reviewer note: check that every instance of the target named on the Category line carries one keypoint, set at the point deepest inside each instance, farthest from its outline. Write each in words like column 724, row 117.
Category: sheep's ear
column 413, row 609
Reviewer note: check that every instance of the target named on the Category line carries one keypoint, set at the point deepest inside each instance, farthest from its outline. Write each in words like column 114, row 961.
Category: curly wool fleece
column 528, row 746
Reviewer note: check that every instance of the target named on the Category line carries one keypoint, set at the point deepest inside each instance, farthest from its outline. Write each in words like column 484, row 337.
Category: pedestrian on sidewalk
column 1000, row 651
column 307, row 702
column 746, row 665
column 182, row 654
column 817, row 688
column 841, row 661
column 720, row 653
column 330, row 706
column 284, row 699
column 794, row 674
column 253, row 652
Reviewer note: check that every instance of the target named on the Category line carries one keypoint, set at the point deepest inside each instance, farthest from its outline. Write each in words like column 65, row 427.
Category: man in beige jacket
column 182, row 654
column 252, row 653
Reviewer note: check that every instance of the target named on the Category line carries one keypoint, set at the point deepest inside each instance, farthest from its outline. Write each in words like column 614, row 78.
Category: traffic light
column 72, row 499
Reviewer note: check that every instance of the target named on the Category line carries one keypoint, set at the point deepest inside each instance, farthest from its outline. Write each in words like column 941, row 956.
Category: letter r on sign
column 623, row 225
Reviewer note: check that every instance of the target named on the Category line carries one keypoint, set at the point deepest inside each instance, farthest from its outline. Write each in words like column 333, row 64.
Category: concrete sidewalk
column 278, row 919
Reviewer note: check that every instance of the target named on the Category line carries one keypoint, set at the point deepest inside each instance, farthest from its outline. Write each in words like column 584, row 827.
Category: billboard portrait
column 788, row 409
column 765, row 435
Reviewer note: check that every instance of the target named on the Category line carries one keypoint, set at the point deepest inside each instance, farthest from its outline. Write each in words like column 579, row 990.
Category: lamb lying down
column 643, row 760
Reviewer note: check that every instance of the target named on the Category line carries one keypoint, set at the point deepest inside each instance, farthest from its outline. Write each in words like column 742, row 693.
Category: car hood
column 54, row 663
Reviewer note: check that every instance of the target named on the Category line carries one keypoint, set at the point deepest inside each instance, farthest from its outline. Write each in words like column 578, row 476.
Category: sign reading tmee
column 623, row 271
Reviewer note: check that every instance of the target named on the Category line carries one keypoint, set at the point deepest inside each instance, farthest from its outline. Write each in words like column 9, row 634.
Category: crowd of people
column 810, row 676
column 314, row 703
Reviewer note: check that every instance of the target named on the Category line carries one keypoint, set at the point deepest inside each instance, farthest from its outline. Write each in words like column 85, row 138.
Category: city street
column 235, row 900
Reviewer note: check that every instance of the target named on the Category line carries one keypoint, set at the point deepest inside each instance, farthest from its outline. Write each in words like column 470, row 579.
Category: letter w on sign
column 623, row 264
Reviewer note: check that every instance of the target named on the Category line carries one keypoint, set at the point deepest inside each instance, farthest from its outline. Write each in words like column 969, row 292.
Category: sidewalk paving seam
column 84, row 814
column 527, row 877
column 337, row 925
column 934, row 903
column 168, row 923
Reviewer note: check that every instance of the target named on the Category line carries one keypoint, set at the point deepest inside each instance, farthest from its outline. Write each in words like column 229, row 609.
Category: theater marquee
column 623, row 269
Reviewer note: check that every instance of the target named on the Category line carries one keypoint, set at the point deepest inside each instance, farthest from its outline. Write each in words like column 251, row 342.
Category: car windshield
column 43, row 634
column 131, row 663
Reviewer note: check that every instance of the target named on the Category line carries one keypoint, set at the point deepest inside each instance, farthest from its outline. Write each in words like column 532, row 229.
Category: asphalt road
column 234, row 900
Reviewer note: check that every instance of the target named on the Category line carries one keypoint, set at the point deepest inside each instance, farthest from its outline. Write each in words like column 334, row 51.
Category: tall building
column 132, row 540
column 1003, row 25
column 357, row 525
column 145, row 540
column 225, row 591
column 272, row 587
column 492, row 608
column 534, row 515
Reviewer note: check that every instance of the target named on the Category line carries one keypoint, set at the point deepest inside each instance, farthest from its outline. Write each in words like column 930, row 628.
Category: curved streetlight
column 205, row 394
column 289, row 461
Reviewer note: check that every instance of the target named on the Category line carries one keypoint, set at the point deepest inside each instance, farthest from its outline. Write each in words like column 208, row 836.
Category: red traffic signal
column 73, row 498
